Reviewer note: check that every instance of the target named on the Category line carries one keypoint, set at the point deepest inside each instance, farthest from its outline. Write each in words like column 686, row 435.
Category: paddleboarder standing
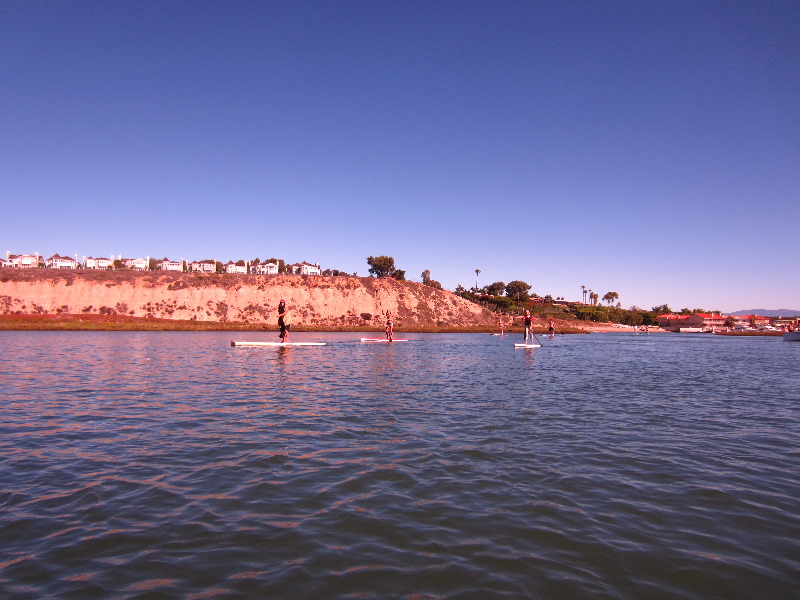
column 284, row 321
column 527, row 320
column 502, row 326
column 389, row 325
column 551, row 328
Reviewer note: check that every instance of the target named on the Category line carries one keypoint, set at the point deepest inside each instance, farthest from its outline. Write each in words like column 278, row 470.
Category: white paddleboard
column 277, row 344
column 381, row 340
column 527, row 345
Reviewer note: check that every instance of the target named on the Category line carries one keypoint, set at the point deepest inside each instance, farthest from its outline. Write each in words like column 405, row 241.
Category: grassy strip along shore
column 83, row 322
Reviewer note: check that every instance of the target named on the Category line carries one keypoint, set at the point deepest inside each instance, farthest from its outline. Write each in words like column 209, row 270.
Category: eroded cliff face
column 320, row 301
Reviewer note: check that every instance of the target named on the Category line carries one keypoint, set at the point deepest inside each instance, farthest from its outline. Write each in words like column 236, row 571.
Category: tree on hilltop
column 380, row 266
column 610, row 297
column 518, row 290
column 383, row 266
column 495, row 289
column 426, row 280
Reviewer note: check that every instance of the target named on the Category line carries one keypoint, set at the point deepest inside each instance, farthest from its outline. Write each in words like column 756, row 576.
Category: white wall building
column 136, row 264
column 203, row 266
column 266, row 269
column 22, row 261
column 232, row 267
column 61, row 262
column 166, row 264
column 98, row 263
column 308, row 269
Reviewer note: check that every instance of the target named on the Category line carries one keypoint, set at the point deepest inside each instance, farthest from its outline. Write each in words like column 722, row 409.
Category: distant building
column 305, row 268
column 784, row 322
column 98, row 263
column 203, row 266
column 671, row 322
column 166, row 264
column 232, row 267
column 751, row 320
column 265, row 269
column 136, row 264
column 61, row 262
column 22, row 261
column 707, row 321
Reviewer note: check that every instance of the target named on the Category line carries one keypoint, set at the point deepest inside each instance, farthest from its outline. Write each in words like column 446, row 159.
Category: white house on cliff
column 203, row 266
column 268, row 268
column 21, row 261
column 232, row 267
column 61, row 262
column 166, row 264
column 97, row 263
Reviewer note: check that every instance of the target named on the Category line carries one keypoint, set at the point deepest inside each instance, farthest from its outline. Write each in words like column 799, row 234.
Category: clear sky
column 648, row 148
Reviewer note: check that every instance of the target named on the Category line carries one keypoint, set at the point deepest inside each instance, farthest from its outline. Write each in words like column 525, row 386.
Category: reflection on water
column 173, row 465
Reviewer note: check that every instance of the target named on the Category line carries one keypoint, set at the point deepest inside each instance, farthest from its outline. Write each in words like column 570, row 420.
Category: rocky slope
column 316, row 301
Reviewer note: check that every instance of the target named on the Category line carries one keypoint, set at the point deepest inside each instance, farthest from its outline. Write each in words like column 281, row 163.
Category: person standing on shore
column 527, row 320
column 284, row 321
column 389, row 325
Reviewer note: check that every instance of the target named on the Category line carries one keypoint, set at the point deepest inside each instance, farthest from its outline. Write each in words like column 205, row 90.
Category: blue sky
column 647, row 148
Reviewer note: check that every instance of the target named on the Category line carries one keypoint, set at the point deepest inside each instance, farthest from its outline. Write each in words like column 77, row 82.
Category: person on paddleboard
column 502, row 326
column 551, row 328
column 389, row 325
column 284, row 321
column 527, row 320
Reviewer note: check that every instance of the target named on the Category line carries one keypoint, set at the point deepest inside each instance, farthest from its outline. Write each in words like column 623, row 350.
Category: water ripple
column 603, row 466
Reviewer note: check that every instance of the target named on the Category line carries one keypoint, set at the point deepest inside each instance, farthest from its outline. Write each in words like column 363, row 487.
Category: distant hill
column 326, row 302
column 766, row 312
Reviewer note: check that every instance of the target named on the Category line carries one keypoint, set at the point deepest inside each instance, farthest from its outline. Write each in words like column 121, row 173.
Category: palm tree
column 477, row 272
column 583, row 287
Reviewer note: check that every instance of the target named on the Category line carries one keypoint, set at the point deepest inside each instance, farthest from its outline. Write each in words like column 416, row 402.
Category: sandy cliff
column 317, row 301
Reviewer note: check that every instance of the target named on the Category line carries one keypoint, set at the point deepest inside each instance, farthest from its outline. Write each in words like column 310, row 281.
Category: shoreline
column 90, row 322
column 83, row 322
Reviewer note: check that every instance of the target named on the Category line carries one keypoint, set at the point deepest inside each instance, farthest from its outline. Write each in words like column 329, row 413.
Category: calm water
column 171, row 465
